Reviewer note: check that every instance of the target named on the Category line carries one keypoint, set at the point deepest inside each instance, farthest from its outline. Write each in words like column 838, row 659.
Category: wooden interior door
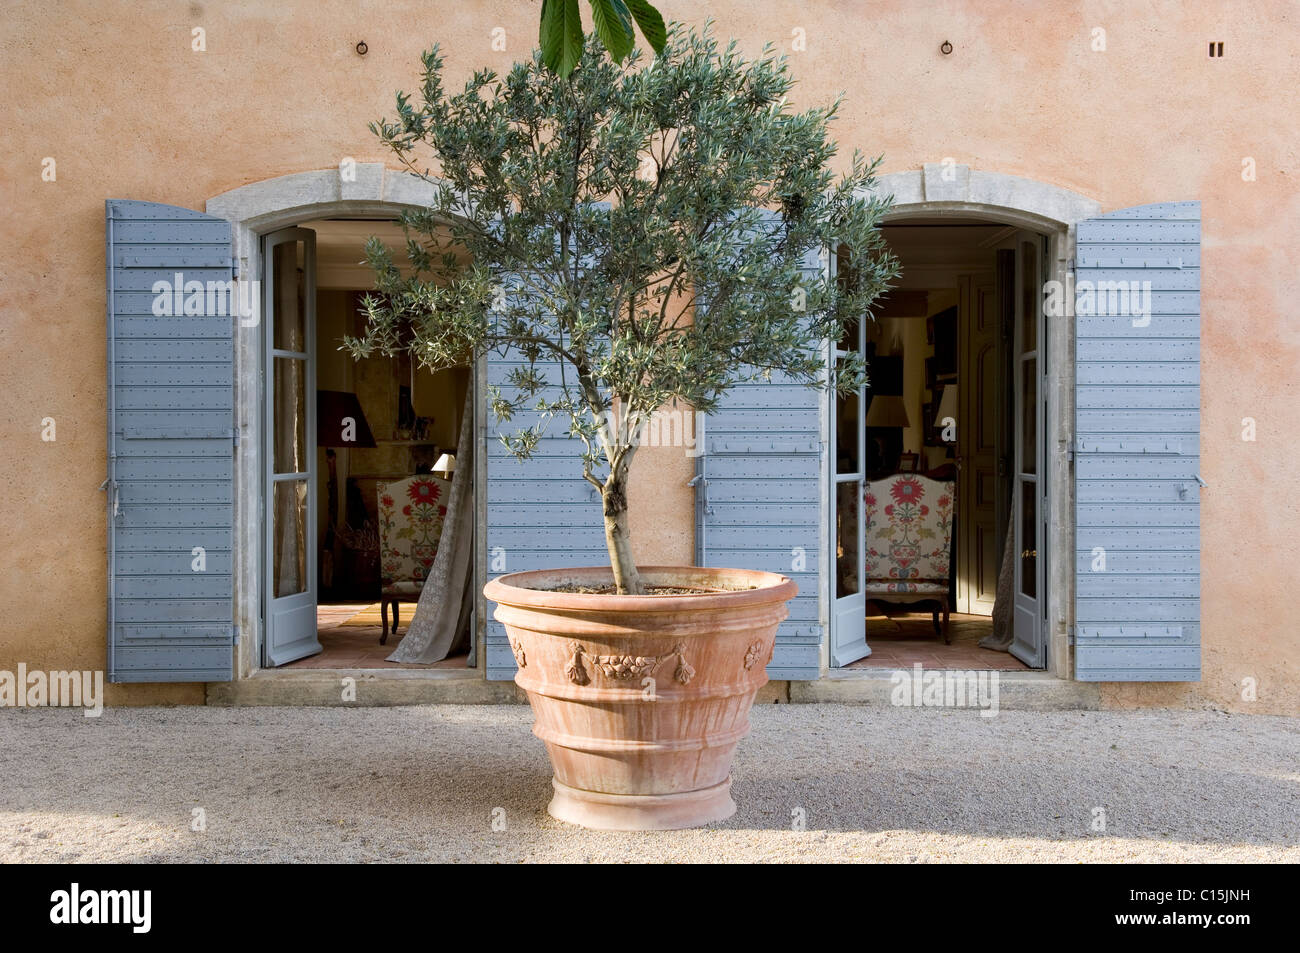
column 979, row 382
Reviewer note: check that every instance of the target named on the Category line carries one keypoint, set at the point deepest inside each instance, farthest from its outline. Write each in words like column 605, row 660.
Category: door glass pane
column 848, row 504
column 290, row 539
column 290, row 304
column 1029, row 293
column 1028, row 539
column 1029, row 416
column 845, row 278
column 290, row 415
column 848, row 417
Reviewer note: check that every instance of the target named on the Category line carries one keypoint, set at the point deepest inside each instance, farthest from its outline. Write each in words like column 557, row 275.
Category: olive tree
column 632, row 235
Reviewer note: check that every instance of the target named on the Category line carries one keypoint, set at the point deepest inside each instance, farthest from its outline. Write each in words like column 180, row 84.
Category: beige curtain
column 1000, row 640
column 441, row 621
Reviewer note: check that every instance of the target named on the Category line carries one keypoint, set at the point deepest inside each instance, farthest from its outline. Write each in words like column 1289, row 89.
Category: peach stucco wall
column 116, row 96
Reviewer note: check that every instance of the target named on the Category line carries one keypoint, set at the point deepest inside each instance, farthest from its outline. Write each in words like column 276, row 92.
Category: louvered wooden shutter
column 1137, row 449
column 758, row 501
column 541, row 513
column 170, row 450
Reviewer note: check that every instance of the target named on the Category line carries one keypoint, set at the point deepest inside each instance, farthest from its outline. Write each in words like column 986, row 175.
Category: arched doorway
column 279, row 225
column 962, row 339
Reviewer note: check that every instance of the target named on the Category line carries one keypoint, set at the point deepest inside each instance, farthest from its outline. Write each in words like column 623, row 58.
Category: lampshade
column 887, row 410
column 446, row 465
column 947, row 405
column 333, row 407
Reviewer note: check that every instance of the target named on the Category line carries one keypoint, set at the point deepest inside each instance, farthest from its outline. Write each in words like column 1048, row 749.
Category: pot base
column 641, row 812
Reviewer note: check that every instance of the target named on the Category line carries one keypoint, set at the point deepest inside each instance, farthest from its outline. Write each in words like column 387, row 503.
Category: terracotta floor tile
column 357, row 646
column 900, row 638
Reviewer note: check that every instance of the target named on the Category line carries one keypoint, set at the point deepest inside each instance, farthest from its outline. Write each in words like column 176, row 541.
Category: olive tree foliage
column 631, row 237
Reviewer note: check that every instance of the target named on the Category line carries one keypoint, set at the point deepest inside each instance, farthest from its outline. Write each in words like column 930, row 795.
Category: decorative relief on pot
column 751, row 654
column 518, row 648
column 574, row 669
column 626, row 668
column 684, row 671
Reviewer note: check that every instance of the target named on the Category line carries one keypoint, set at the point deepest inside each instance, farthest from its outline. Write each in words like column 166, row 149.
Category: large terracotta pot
column 642, row 699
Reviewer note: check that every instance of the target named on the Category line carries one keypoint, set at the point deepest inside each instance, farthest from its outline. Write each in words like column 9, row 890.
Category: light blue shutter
column 1137, row 448
column 758, row 501
column 541, row 513
column 170, row 452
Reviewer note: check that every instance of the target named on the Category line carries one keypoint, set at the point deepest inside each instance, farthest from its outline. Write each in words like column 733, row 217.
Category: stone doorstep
column 374, row 688
column 1020, row 691
column 1017, row 691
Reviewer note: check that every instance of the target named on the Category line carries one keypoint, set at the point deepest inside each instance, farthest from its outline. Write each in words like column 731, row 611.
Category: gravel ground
column 423, row 783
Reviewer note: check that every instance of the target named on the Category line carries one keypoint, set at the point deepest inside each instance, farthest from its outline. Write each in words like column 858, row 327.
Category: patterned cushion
column 909, row 534
column 411, row 514
column 904, row 588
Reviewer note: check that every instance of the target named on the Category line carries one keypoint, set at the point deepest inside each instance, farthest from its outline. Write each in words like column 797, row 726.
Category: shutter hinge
column 234, row 437
column 234, row 267
column 1069, row 455
column 1069, row 266
column 234, row 635
column 701, row 485
column 1069, row 633
column 111, row 485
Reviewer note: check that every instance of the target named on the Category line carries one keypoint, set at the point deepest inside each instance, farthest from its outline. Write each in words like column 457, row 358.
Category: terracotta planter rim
column 768, row 587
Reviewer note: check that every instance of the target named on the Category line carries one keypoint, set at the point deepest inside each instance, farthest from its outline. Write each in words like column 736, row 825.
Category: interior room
column 938, row 436
column 386, row 451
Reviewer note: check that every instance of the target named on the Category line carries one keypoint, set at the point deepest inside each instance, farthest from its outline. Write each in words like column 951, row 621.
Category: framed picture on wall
column 909, row 463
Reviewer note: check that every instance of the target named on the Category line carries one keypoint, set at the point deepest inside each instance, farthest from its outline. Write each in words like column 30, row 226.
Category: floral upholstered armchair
column 411, row 514
column 909, row 540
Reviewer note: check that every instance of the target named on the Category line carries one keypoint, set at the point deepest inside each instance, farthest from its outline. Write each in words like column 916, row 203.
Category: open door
column 289, row 398
column 1029, row 505
column 848, row 535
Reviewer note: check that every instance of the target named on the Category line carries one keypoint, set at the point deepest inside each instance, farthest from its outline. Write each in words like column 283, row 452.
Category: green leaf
column 651, row 23
column 613, row 25
column 561, row 35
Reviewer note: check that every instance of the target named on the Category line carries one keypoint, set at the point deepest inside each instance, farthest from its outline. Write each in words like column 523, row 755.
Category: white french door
column 848, row 531
column 289, row 399
column 1028, row 501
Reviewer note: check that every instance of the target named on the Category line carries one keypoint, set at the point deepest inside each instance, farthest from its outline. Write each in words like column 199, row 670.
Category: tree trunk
column 617, row 537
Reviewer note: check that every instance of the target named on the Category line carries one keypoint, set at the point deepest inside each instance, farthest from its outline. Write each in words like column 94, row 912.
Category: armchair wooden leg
column 383, row 612
column 397, row 607
column 947, row 636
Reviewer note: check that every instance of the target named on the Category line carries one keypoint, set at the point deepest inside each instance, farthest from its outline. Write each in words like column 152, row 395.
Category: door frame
column 353, row 189
column 951, row 190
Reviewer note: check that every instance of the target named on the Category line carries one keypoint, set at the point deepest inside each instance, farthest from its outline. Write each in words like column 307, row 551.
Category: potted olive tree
column 632, row 234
